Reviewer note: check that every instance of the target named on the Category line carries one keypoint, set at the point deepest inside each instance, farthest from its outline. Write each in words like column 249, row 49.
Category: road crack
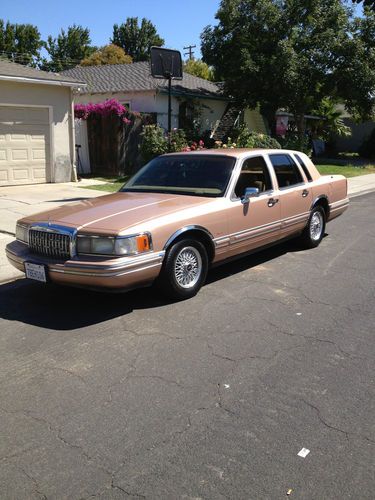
column 347, row 434
column 36, row 485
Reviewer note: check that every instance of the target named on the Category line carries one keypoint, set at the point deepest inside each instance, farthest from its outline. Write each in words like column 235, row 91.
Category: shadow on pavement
column 64, row 200
column 65, row 308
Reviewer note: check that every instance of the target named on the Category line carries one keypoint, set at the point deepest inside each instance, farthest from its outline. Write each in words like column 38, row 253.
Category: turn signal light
column 143, row 243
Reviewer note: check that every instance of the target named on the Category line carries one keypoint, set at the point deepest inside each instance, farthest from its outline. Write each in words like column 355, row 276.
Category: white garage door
column 24, row 145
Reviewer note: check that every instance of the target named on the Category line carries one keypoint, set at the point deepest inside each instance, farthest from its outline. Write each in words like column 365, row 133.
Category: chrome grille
column 50, row 244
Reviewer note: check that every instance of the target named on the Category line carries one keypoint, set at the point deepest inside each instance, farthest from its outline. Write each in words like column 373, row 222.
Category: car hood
column 116, row 212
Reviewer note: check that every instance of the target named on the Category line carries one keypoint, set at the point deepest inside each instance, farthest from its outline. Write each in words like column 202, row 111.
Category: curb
column 361, row 193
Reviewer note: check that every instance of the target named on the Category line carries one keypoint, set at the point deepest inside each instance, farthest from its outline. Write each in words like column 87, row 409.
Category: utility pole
column 190, row 51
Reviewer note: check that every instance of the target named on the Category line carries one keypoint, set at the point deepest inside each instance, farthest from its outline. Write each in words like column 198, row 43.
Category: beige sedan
column 177, row 216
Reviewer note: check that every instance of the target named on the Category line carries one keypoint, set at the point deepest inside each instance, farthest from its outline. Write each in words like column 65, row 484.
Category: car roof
column 235, row 152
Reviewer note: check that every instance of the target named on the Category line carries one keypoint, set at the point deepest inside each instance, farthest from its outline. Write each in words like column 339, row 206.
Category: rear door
column 294, row 193
column 258, row 222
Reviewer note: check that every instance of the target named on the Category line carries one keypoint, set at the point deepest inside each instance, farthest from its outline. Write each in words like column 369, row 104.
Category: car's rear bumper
column 337, row 208
column 118, row 273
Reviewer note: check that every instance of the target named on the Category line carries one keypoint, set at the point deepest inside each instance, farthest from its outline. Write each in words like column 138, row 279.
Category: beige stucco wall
column 144, row 102
column 58, row 98
column 153, row 102
column 212, row 111
column 254, row 121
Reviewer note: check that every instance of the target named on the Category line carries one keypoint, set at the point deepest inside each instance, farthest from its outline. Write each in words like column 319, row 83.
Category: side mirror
column 249, row 193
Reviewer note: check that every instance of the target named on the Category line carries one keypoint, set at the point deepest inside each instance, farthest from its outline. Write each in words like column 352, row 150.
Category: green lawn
column 112, row 185
column 347, row 170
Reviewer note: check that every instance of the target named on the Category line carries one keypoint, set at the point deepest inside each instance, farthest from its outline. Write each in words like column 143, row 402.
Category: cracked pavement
column 131, row 396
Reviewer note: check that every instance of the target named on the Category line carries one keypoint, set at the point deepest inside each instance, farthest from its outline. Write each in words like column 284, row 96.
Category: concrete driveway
column 129, row 396
column 19, row 201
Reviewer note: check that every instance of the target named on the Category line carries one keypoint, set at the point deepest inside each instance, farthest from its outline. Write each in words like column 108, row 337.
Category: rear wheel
column 314, row 231
column 184, row 269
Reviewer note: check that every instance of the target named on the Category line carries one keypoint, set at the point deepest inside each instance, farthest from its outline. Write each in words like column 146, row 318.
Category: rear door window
column 287, row 172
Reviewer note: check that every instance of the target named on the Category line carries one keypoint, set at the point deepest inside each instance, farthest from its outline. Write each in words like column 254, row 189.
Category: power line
column 18, row 56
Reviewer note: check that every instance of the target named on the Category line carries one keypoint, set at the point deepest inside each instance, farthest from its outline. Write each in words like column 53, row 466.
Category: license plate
column 35, row 272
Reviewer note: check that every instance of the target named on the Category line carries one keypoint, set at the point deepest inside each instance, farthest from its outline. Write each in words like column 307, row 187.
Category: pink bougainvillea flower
column 105, row 108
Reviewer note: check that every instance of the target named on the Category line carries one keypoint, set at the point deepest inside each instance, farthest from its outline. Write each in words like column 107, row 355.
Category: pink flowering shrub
column 195, row 146
column 105, row 108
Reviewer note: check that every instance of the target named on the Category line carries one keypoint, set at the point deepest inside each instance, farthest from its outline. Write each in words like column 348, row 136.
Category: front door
column 256, row 223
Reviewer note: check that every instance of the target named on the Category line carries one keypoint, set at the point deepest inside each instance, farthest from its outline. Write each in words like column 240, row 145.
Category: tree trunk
column 269, row 114
column 301, row 126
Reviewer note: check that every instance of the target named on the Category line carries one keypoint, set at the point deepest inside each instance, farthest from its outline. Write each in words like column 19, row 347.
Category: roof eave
column 126, row 91
column 24, row 79
column 195, row 95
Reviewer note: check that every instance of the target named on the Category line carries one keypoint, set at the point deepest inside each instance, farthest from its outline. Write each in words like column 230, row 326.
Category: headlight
column 22, row 233
column 120, row 245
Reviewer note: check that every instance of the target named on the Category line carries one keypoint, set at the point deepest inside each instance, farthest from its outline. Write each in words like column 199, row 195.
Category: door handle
column 272, row 201
column 305, row 193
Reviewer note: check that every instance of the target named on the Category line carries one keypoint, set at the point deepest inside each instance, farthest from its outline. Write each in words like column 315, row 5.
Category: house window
column 126, row 104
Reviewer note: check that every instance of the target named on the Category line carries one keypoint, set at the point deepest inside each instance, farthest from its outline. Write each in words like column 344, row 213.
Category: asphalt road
column 128, row 396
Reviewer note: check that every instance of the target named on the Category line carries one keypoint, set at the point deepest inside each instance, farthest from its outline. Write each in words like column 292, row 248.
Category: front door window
column 254, row 173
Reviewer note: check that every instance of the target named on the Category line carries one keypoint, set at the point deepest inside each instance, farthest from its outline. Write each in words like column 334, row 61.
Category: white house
column 133, row 86
column 36, row 125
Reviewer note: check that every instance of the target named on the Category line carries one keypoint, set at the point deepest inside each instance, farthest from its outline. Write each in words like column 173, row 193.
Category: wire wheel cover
column 188, row 267
column 316, row 226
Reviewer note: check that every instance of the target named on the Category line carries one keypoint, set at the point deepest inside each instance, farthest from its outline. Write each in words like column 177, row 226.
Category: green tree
column 136, row 39
column 109, row 54
column 355, row 74
column 20, row 43
column 291, row 54
column 366, row 3
column 331, row 121
column 199, row 68
column 68, row 49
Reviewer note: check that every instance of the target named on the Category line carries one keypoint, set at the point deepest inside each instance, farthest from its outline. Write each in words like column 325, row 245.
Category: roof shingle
column 137, row 77
column 15, row 70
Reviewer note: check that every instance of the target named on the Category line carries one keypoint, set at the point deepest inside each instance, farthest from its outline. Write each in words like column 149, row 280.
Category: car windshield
column 199, row 175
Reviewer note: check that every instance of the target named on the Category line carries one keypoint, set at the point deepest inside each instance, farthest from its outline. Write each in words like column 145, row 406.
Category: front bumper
column 116, row 273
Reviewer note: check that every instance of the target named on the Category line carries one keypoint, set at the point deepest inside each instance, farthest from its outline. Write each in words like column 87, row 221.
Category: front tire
column 184, row 269
column 314, row 231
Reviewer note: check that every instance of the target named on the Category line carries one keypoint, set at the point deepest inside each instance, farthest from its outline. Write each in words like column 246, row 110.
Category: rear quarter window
column 304, row 167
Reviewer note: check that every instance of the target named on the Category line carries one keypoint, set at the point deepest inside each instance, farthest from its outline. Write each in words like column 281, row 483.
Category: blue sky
column 179, row 23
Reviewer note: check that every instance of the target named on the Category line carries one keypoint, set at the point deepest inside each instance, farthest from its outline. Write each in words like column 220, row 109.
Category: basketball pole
column 169, row 111
column 167, row 64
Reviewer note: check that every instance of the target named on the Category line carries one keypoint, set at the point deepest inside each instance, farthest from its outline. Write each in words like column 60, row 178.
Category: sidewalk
column 18, row 201
column 361, row 185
